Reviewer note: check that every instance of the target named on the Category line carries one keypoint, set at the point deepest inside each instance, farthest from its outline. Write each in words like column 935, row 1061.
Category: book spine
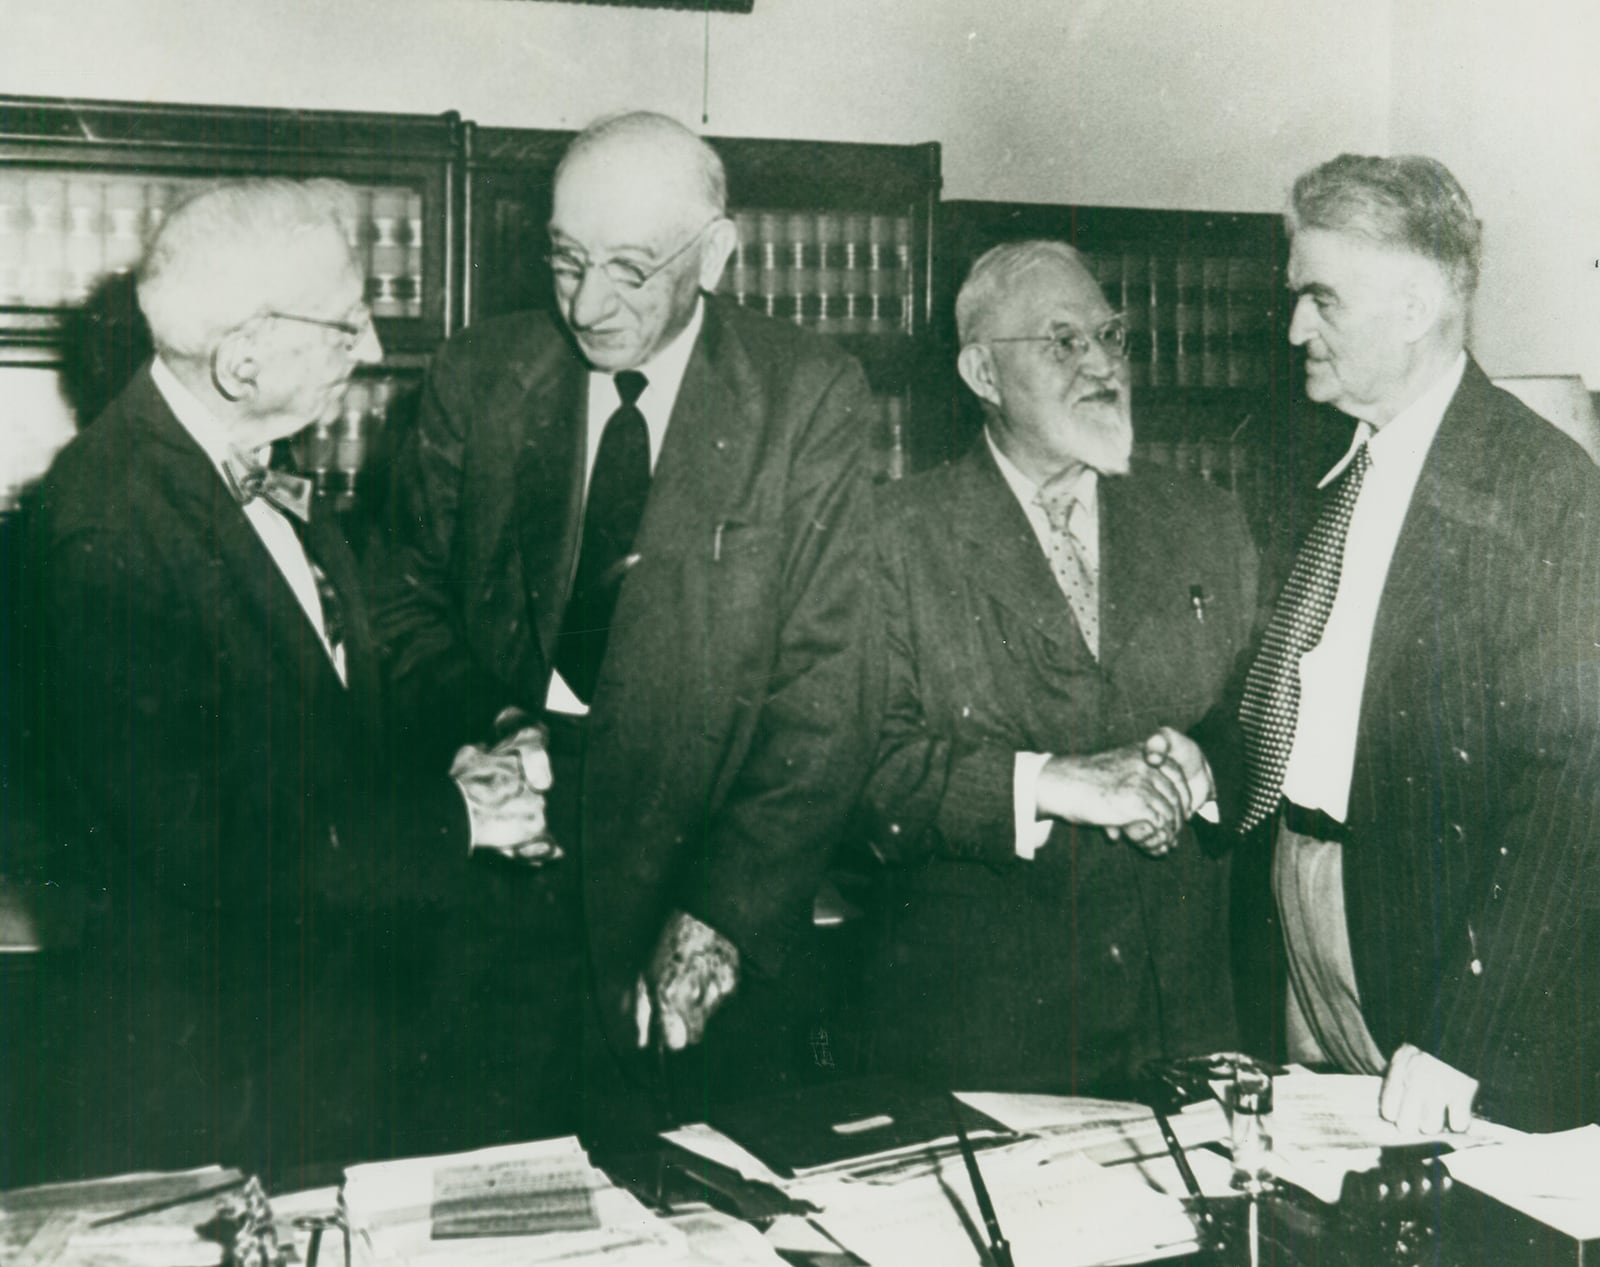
column 829, row 275
column 1186, row 359
column 1163, row 322
column 1136, row 313
column 13, row 233
column 44, row 252
column 1214, row 321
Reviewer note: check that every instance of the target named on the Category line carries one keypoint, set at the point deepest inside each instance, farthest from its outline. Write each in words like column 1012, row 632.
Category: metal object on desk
column 1250, row 1128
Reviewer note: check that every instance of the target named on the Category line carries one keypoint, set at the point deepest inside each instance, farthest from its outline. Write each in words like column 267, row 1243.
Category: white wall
column 1507, row 94
column 1212, row 104
column 1208, row 104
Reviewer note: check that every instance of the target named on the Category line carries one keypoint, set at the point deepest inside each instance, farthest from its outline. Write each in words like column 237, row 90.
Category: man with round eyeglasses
column 630, row 536
column 1057, row 617
column 255, row 989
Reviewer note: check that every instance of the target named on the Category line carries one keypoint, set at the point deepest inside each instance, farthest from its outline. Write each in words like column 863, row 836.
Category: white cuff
column 1032, row 831
column 472, row 821
column 1209, row 811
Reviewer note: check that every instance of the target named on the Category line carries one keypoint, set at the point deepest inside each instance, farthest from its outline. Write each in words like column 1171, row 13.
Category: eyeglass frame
column 352, row 330
column 1062, row 343
column 627, row 283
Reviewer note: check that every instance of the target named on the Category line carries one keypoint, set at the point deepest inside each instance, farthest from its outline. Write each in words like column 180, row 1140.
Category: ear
column 721, row 240
column 976, row 364
column 234, row 366
column 1424, row 296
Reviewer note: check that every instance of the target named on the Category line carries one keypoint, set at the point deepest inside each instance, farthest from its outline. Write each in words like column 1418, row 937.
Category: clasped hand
column 505, row 787
column 1142, row 792
column 692, row 973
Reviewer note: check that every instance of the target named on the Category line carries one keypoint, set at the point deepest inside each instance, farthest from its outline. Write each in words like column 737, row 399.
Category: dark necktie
column 291, row 494
column 1271, row 701
column 618, row 488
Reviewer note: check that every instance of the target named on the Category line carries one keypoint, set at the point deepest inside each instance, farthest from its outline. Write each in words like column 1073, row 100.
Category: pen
column 999, row 1247
column 1185, row 1171
column 1197, row 600
column 172, row 1203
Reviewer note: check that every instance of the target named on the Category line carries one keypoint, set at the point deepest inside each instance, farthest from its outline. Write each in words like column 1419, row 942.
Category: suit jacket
column 1474, row 860
column 224, row 792
column 726, row 740
column 1067, row 971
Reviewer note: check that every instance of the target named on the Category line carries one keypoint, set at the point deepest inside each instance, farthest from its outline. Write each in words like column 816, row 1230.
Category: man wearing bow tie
column 215, row 730
column 643, row 523
column 1056, row 618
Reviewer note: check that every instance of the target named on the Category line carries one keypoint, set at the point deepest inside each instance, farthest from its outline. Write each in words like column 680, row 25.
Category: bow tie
column 249, row 480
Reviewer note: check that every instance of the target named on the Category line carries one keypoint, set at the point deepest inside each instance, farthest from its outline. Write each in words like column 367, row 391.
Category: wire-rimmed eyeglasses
column 353, row 331
column 1069, row 345
column 569, row 268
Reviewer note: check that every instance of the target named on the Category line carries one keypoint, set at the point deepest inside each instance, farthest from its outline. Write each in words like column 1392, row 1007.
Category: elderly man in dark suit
column 1055, row 620
column 215, row 728
column 642, row 523
column 1423, row 721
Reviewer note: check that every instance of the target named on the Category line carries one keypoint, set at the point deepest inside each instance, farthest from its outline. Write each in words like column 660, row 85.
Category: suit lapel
column 1002, row 557
column 553, row 395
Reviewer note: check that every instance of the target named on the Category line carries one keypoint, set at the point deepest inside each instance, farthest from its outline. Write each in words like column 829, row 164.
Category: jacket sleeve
column 788, row 804
column 931, row 792
column 439, row 695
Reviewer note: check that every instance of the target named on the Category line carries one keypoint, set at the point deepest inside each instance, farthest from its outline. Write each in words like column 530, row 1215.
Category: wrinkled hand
column 1118, row 790
column 692, row 973
column 505, row 790
column 1188, row 770
column 1421, row 1093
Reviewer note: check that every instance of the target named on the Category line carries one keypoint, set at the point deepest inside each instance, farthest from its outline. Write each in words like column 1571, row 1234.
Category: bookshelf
column 1213, row 376
column 837, row 237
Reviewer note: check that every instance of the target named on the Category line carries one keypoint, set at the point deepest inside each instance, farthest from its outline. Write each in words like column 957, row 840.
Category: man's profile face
column 1349, row 311
column 1060, row 410
column 630, row 209
column 302, row 368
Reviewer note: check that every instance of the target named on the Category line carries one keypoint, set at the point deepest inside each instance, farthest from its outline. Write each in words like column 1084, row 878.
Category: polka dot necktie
column 1069, row 560
column 1271, row 701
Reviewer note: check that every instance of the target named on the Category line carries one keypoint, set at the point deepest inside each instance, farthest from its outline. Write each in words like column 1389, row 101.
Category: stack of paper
column 55, row 1224
column 1063, row 1210
column 523, row 1203
column 1552, row 1178
column 1105, row 1131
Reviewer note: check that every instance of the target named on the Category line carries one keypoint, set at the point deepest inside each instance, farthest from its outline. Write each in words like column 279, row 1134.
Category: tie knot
column 630, row 385
column 249, row 480
column 1058, row 503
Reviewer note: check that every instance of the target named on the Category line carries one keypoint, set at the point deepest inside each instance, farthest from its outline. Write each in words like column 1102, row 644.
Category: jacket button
column 1476, row 967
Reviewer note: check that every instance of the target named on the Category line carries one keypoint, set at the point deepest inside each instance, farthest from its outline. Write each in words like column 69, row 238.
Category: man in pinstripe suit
column 1435, row 862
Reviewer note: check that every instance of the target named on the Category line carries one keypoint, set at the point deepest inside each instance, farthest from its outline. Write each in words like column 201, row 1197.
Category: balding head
column 637, row 230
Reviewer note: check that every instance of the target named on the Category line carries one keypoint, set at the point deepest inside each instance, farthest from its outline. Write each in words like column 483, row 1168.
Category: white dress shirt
column 664, row 375
column 1333, row 674
column 1031, row 830
column 271, row 524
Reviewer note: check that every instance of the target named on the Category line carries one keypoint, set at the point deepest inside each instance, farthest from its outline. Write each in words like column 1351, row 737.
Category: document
column 1553, row 1178
column 518, row 1204
column 1104, row 1131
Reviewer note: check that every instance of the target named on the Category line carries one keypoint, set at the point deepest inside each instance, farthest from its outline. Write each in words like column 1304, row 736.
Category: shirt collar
column 1027, row 492
column 664, row 371
column 1407, row 437
column 197, row 420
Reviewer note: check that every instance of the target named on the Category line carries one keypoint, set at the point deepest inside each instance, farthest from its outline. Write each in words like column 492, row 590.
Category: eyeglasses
column 353, row 331
column 1069, row 345
column 569, row 268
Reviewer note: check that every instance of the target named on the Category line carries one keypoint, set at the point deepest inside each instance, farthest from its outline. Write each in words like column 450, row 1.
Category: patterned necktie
column 1069, row 560
column 1271, row 701
column 291, row 494
column 618, row 488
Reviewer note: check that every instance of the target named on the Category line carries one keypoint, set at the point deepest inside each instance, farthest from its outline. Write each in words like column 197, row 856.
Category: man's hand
column 1121, row 791
column 504, row 788
column 1180, row 756
column 1421, row 1093
column 692, row 973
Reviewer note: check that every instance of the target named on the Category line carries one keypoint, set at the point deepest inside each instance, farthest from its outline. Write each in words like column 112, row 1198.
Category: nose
column 368, row 350
column 593, row 300
column 1302, row 321
column 1100, row 361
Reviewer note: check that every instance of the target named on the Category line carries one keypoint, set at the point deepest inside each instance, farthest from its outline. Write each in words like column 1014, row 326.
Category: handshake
column 1143, row 793
column 505, row 788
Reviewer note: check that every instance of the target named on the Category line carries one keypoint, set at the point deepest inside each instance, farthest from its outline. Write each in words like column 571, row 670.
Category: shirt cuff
column 1209, row 811
column 1032, row 831
column 472, row 821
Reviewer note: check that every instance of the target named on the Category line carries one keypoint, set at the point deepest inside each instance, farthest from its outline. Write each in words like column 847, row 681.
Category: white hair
column 992, row 276
column 701, row 163
column 226, row 254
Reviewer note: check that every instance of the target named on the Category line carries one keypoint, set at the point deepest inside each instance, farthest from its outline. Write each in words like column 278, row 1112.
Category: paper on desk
column 1105, row 1131
column 708, row 1142
column 1064, row 1210
column 1552, row 1178
column 1326, row 1126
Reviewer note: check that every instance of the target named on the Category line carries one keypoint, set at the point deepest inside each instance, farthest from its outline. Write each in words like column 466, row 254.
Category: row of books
column 1193, row 320
column 61, row 234
column 838, row 272
column 333, row 453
